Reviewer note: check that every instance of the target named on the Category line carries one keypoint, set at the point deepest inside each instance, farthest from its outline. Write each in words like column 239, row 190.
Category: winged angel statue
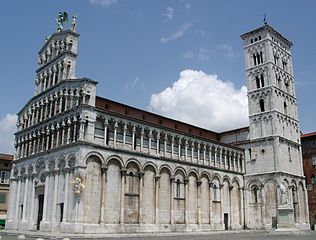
column 61, row 20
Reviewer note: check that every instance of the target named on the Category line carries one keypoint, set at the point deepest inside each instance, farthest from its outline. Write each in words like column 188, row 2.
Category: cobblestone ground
column 202, row 236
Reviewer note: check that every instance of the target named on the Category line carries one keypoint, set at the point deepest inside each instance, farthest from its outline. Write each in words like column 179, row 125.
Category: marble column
column 157, row 179
column 45, row 205
column 123, row 179
column 26, row 188
column 54, row 207
column 66, row 194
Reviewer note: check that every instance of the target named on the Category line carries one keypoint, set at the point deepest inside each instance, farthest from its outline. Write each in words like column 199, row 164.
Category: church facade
column 86, row 164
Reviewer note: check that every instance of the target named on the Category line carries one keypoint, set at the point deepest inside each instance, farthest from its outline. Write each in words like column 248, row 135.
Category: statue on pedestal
column 284, row 195
column 61, row 20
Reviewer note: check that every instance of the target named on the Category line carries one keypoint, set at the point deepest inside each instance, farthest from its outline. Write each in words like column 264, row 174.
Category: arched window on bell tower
column 285, row 107
column 261, row 103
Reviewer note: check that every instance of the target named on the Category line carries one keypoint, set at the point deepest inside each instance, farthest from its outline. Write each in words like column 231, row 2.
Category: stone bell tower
column 274, row 150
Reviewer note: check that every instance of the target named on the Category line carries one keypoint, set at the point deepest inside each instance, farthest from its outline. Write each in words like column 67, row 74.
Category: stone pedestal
column 286, row 217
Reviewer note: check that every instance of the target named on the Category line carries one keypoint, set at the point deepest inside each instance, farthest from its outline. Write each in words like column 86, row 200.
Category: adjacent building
column 87, row 164
column 5, row 169
column 309, row 163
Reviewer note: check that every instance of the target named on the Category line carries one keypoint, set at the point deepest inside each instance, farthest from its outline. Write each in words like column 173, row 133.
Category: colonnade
column 65, row 131
column 119, row 134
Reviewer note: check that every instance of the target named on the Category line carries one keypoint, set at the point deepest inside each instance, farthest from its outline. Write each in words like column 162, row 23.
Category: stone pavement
column 242, row 235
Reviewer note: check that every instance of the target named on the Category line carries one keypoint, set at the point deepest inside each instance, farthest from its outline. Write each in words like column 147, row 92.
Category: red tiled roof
column 6, row 157
column 135, row 113
column 312, row 134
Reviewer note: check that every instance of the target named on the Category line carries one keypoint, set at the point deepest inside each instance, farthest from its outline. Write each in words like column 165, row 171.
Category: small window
column 254, row 193
column 262, row 80
column 314, row 160
column 313, row 179
column 249, row 151
column 261, row 102
column 259, row 37
column 285, row 108
column 251, row 40
column 258, row 82
column 99, row 129
column 2, row 197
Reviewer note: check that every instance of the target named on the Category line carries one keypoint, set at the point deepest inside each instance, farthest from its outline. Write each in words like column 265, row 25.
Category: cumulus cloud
column 204, row 100
column 7, row 129
column 177, row 34
column 103, row 3
column 169, row 15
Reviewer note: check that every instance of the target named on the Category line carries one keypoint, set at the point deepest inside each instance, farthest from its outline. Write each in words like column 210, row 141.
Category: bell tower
column 274, row 180
column 273, row 116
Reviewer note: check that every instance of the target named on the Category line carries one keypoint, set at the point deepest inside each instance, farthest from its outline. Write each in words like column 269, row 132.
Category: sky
column 179, row 58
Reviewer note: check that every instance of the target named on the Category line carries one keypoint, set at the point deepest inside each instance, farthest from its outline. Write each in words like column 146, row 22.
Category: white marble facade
column 85, row 164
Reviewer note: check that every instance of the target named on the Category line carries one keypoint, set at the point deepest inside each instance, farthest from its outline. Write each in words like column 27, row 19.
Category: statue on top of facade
column 73, row 23
column 61, row 20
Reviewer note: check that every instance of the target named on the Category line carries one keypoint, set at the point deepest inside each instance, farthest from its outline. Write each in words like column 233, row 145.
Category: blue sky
column 138, row 50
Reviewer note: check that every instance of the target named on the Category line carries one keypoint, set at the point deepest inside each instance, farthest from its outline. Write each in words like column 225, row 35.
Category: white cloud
column 7, row 129
column 203, row 100
column 177, row 34
column 187, row 6
column 169, row 15
column 103, row 3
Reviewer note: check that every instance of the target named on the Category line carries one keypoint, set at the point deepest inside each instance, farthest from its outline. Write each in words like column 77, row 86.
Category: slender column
column 204, row 154
column 186, row 204
column 66, row 100
column 17, row 203
column 199, row 217
column 54, row 210
column 33, row 115
column 43, row 140
column 123, row 179
column 172, row 145
column 142, row 132
column 71, row 103
column 210, row 155
column 81, row 132
column 50, row 80
column 150, row 135
column 52, row 142
column 103, row 173
column 158, row 144
column 41, row 111
column 133, row 138
column 17, row 149
column 115, row 133
column 33, row 197
column 47, row 138
column 46, row 197
column 26, row 188
column 186, row 150
column 172, row 200
column 220, row 157
column 105, row 131
column 140, row 204
column 198, row 153
column 22, row 147
column 165, row 145
column 157, row 198
column 179, row 148
column 124, row 135
column 57, row 134
column 61, row 95
column 215, row 157
column 63, row 125
column 54, row 74
column 34, row 143
column 51, row 106
column 30, row 144
column 66, row 194
column 74, row 136
column 192, row 151
column 56, row 102
column 68, row 131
